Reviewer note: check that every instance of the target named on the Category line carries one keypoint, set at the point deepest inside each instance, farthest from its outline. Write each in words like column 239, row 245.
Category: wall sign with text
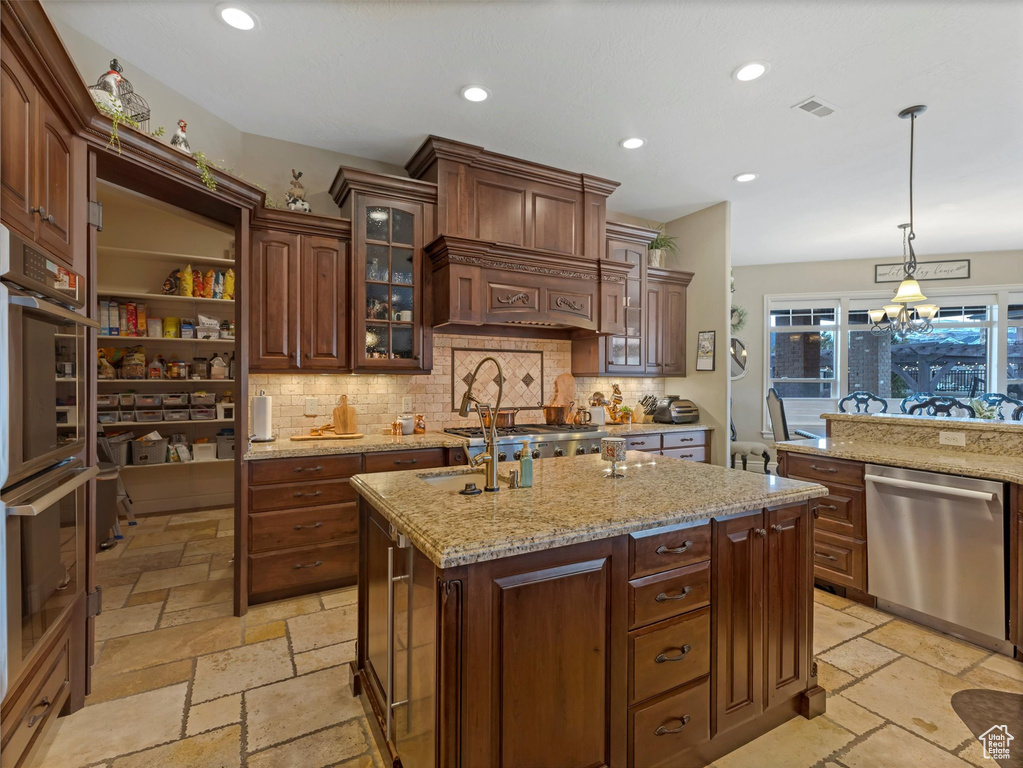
column 925, row 270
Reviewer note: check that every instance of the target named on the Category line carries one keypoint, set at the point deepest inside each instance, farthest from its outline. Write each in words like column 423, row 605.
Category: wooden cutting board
column 346, row 421
column 352, row 436
column 564, row 390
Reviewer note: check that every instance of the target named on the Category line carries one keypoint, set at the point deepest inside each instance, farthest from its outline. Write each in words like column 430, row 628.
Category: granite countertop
column 1008, row 469
column 283, row 448
column 905, row 419
column 649, row 428
column 571, row 501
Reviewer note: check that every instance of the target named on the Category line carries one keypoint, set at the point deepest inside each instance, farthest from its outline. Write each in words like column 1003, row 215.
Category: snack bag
column 170, row 285
column 218, row 286
column 197, row 283
column 207, row 284
column 104, row 368
column 185, row 286
column 229, row 284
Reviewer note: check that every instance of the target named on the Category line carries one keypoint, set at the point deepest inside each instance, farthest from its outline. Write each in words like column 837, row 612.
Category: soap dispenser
column 526, row 466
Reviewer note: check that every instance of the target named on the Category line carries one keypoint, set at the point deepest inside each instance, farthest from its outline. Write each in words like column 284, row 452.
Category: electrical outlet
column 952, row 438
column 312, row 406
column 406, row 404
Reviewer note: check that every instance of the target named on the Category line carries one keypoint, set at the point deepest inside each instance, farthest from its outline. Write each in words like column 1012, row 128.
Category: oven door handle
column 48, row 308
column 76, row 481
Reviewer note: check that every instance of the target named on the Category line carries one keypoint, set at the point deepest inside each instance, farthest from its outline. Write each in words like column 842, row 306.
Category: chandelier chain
column 910, row 266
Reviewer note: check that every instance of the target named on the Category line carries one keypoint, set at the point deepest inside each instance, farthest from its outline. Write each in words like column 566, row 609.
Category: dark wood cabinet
column 653, row 361
column 788, row 607
column 17, row 146
column 1016, row 568
column 54, row 173
column 324, row 304
column 673, row 327
column 273, row 300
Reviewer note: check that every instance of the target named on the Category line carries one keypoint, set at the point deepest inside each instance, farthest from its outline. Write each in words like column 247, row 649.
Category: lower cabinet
column 690, row 444
column 644, row 650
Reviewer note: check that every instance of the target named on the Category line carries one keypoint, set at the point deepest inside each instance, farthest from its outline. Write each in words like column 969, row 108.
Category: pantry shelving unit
column 143, row 240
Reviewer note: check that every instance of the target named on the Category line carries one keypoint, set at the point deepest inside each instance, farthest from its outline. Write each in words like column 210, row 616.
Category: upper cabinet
column 392, row 219
column 298, row 293
column 37, row 164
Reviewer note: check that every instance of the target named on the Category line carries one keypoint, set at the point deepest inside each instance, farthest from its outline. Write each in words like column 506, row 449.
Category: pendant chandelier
column 899, row 318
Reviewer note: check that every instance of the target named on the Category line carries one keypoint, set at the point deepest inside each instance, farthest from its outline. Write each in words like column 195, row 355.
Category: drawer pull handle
column 661, row 658
column 639, row 442
column 830, row 470
column 317, row 564
column 310, row 525
column 761, row 532
column 301, row 495
column 663, row 597
column 662, row 731
column 686, row 439
column 36, row 718
column 663, row 550
column 824, row 556
column 308, row 469
column 777, row 528
column 829, row 506
column 685, row 455
column 406, row 461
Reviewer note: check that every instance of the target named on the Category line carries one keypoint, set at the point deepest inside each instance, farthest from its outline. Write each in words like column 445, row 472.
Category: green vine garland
column 739, row 317
column 204, row 170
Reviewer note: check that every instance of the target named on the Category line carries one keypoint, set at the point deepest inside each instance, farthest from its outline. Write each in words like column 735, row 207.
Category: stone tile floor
column 180, row 682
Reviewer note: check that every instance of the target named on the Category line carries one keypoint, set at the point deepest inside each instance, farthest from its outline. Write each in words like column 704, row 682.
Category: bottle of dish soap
column 526, row 466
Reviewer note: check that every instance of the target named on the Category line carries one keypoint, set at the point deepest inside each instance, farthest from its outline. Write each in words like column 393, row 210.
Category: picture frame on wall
column 706, row 343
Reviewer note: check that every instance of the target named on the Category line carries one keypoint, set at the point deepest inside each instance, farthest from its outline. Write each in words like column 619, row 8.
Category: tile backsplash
column 378, row 397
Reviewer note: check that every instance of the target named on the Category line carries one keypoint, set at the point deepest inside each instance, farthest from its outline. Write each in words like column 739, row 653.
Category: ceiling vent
column 816, row 107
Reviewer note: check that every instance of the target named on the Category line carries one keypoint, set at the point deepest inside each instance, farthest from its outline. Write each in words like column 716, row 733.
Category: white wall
column 841, row 278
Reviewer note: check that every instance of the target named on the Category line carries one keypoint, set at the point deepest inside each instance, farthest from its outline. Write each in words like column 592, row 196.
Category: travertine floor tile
column 916, row 697
column 172, row 537
column 214, row 546
column 216, row 610
column 200, row 593
column 316, row 750
column 829, row 678
column 983, row 677
column 261, row 632
column 217, row 749
column 1003, row 665
column 327, row 656
column 859, row 656
column 278, row 712
column 214, row 714
column 798, row 742
column 171, row 577
column 869, row 615
column 185, row 518
column 127, row 621
column 238, row 669
column 140, row 551
column 195, row 559
column 831, row 627
column 143, row 598
column 109, row 729
column 339, row 597
column 114, row 597
column 316, row 630
column 111, row 684
column 282, row 609
column 164, row 645
column 221, row 573
column 832, row 601
column 851, row 716
column 934, row 648
column 892, row 746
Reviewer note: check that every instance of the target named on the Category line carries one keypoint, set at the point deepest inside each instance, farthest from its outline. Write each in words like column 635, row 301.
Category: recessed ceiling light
column 236, row 16
column 475, row 93
column 742, row 178
column 751, row 71
column 634, row 143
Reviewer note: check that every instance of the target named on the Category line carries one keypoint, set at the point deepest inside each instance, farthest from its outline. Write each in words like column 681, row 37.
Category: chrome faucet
column 489, row 456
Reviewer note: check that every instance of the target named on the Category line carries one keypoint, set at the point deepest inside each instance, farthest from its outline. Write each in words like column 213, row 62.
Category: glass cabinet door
column 624, row 352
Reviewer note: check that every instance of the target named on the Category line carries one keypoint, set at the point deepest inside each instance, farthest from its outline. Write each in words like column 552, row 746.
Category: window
column 1014, row 352
column 802, row 350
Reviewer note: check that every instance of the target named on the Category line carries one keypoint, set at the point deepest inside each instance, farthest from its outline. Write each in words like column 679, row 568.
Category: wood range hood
column 517, row 244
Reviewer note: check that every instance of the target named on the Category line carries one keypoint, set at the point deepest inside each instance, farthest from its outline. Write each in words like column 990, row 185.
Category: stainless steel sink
column 454, row 482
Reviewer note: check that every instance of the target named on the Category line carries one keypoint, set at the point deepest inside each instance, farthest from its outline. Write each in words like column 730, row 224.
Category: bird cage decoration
column 131, row 103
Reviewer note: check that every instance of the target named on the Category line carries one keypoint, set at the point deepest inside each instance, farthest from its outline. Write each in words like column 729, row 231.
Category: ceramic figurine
column 178, row 140
column 295, row 197
column 105, row 92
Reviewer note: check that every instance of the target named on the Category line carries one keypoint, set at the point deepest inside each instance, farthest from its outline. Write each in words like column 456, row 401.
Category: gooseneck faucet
column 489, row 456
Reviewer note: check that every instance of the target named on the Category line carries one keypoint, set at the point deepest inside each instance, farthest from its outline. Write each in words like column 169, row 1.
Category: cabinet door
column 54, row 183
column 738, row 578
column 653, row 340
column 324, row 304
column 787, row 608
column 388, row 296
column 273, row 302
column 673, row 329
column 624, row 352
column 17, row 138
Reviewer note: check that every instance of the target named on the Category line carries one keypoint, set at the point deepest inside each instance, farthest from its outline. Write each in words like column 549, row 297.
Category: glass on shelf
column 376, row 302
column 377, row 341
column 401, row 341
column 378, row 219
column 402, row 227
column 401, row 303
column 402, row 271
column 377, row 267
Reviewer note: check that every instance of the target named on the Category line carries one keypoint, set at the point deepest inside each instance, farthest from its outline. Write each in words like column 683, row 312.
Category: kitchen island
column 664, row 618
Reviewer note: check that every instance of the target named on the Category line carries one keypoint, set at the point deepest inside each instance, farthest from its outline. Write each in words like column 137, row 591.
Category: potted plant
column 663, row 243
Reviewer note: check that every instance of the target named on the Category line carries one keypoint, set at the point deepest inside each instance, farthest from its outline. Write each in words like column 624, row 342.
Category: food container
column 176, row 369
column 126, row 415
column 148, row 401
column 225, row 446
column 175, row 414
column 200, row 368
column 106, row 401
column 203, row 414
column 126, row 399
column 179, row 399
column 407, row 423
column 203, row 398
column 148, row 414
column 171, row 327
column 149, row 451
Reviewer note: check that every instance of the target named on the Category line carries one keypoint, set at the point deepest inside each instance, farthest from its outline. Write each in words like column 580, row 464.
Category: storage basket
column 149, row 451
column 203, row 398
column 126, row 399
column 180, row 399
column 106, row 401
column 204, row 452
column 203, row 414
column 225, row 446
column 148, row 414
column 175, row 414
column 107, row 417
column 118, row 452
column 126, row 416
column 148, row 401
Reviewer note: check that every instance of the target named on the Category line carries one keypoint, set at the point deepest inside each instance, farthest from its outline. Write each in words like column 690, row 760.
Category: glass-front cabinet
column 624, row 353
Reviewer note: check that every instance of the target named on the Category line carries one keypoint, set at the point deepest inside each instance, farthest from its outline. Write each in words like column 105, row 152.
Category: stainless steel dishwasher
column 937, row 551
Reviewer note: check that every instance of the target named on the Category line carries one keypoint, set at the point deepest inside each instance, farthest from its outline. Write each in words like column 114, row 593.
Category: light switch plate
column 312, row 406
column 952, row 438
column 406, row 404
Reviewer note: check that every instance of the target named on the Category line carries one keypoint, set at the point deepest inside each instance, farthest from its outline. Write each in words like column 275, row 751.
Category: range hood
column 476, row 283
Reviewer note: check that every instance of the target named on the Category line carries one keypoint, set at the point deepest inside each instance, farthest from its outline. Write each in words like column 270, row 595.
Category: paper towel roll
column 262, row 421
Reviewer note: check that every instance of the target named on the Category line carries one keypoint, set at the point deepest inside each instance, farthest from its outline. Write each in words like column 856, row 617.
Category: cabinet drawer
column 684, row 439
column 668, row 655
column 303, row 565
column 822, row 470
column 661, row 730
column 643, row 443
column 300, row 495
column 661, row 550
column 842, row 512
column 312, row 468
column 391, row 461
column 303, row 527
column 691, row 454
column 840, row 560
column 664, row 595
column 37, row 706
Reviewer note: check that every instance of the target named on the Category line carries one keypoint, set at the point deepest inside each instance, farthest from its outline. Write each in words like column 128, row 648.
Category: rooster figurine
column 105, row 92
column 179, row 141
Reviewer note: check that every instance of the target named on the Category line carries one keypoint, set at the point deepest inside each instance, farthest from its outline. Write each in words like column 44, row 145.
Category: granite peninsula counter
column 661, row 619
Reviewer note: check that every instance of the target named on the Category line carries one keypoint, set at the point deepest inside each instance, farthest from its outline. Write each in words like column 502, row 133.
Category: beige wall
column 704, row 248
column 842, row 278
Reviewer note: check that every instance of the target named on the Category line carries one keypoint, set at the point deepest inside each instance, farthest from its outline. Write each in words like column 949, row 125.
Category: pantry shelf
column 166, row 383
column 167, row 339
column 162, row 423
column 159, row 297
column 177, row 464
column 184, row 258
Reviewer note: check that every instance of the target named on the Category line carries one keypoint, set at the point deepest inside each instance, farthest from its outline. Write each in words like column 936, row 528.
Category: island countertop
column 284, row 448
column 571, row 501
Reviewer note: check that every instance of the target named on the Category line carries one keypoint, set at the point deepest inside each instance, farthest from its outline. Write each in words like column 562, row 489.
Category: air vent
column 816, row 107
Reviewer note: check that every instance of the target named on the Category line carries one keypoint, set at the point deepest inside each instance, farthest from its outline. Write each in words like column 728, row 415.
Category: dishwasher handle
column 913, row 485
